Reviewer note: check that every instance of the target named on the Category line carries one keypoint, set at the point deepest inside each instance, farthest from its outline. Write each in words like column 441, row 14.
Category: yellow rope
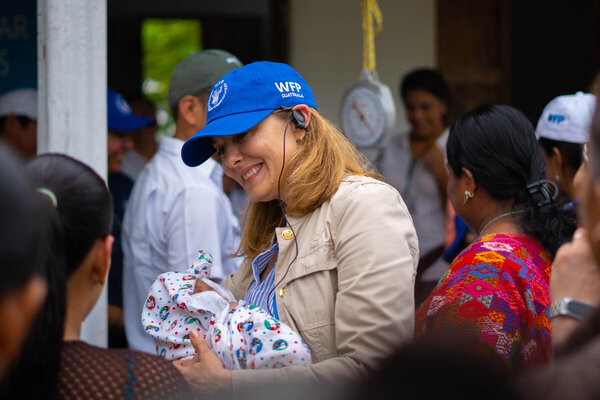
column 371, row 25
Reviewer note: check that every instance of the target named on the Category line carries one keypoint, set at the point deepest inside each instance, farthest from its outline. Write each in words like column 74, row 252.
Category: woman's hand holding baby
column 204, row 372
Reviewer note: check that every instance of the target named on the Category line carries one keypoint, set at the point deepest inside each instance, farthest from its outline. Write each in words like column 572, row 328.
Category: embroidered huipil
column 495, row 293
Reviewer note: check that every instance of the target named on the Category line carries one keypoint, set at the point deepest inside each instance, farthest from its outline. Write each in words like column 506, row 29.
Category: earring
column 468, row 195
column 557, row 178
column 300, row 139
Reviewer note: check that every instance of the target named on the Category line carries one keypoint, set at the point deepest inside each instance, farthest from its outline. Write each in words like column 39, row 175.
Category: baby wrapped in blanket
column 242, row 336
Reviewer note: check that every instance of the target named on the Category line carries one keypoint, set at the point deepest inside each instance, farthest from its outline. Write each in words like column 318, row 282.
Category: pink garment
column 450, row 226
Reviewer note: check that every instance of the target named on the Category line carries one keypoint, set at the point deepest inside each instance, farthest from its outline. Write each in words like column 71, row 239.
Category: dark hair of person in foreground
column 434, row 369
column 22, row 287
column 70, row 228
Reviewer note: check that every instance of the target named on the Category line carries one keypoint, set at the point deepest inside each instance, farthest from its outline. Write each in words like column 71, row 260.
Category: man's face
column 118, row 144
column 20, row 133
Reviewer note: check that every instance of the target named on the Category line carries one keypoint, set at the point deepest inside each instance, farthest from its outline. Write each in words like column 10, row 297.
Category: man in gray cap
column 174, row 210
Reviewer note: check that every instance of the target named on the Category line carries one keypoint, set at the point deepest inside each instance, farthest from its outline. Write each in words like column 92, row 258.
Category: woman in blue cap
column 329, row 249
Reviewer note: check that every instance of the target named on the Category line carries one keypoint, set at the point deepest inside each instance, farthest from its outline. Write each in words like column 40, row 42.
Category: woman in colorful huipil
column 496, row 292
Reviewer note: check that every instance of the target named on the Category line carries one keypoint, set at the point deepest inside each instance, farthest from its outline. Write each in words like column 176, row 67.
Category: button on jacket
column 349, row 293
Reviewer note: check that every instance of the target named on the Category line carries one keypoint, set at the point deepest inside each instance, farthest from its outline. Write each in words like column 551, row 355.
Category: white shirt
column 418, row 188
column 173, row 212
column 133, row 163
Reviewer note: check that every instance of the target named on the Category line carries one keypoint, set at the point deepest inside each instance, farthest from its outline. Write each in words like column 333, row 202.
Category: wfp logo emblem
column 555, row 118
column 289, row 89
column 217, row 94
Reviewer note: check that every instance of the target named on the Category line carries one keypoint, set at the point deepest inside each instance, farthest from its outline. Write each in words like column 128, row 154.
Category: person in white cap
column 18, row 121
column 562, row 130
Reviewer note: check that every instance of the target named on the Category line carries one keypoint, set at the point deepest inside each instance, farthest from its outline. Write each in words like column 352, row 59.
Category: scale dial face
column 363, row 115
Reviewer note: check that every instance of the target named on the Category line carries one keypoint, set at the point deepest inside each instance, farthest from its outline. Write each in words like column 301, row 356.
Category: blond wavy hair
column 312, row 176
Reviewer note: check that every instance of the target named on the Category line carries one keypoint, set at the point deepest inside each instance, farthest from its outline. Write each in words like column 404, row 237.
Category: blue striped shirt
column 262, row 294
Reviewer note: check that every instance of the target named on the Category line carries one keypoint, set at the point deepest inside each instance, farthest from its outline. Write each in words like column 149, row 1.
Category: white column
column 72, row 99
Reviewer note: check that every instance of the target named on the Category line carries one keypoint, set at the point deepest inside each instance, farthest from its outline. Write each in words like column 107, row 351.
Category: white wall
column 72, row 100
column 326, row 46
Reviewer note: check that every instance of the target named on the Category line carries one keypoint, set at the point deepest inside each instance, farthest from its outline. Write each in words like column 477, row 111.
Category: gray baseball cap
column 199, row 72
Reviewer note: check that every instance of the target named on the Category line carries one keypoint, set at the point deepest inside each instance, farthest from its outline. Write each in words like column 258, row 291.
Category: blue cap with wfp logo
column 242, row 99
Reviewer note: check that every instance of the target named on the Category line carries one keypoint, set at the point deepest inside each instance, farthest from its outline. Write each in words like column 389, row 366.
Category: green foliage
column 165, row 43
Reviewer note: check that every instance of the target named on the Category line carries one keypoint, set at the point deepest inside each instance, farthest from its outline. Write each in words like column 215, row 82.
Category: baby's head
column 202, row 286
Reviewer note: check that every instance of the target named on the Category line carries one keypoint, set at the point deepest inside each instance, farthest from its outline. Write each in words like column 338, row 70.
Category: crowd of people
column 467, row 261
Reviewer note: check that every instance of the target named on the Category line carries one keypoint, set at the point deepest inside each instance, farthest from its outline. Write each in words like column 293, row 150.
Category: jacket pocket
column 321, row 342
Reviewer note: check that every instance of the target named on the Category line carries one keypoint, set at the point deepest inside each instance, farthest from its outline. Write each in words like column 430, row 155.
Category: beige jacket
column 349, row 293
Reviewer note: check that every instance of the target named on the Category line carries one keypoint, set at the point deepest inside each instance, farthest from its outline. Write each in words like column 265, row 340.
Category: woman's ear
column 556, row 158
column 192, row 110
column 103, row 252
column 306, row 113
column 468, row 180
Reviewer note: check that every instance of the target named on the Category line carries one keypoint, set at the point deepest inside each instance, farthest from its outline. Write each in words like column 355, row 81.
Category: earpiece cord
column 286, row 223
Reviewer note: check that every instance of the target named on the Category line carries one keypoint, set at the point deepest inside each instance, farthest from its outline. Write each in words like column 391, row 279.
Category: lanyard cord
column 285, row 223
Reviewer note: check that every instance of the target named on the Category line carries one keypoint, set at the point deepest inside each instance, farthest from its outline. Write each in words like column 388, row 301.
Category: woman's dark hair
column 570, row 151
column 409, row 372
column 82, row 214
column 23, row 252
column 41, row 347
column 426, row 79
column 20, row 234
column 497, row 144
column 31, row 243
column 84, row 204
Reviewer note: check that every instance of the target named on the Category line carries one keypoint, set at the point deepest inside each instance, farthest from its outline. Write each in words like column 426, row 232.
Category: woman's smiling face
column 425, row 112
column 255, row 158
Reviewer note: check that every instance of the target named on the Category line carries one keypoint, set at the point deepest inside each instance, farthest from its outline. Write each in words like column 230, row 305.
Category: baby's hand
column 202, row 286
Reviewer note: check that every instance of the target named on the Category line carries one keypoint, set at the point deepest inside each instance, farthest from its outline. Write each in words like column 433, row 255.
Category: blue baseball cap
column 120, row 116
column 242, row 99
